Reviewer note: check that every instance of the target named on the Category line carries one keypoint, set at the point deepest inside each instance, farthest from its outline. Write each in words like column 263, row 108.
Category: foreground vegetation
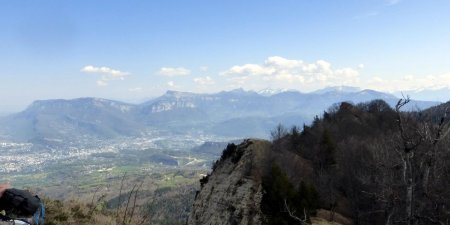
column 154, row 199
column 376, row 164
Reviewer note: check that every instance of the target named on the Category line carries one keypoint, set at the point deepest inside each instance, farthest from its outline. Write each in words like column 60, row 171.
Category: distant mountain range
column 234, row 114
column 440, row 94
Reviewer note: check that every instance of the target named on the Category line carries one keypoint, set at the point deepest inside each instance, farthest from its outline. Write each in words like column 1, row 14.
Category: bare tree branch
column 120, row 196
column 292, row 214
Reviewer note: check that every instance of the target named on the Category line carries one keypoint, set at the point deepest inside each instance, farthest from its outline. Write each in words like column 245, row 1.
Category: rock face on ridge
column 233, row 192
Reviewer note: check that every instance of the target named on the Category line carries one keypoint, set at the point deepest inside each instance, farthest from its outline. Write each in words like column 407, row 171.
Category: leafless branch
column 292, row 214
column 120, row 196
column 128, row 202
column 92, row 201
column 134, row 200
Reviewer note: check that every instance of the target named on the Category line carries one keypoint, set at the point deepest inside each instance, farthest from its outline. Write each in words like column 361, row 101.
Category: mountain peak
column 179, row 94
column 341, row 88
column 377, row 93
column 77, row 103
column 270, row 91
column 239, row 91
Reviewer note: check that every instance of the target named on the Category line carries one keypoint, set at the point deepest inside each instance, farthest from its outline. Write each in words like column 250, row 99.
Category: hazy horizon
column 260, row 91
column 134, row 50
column 144, row 99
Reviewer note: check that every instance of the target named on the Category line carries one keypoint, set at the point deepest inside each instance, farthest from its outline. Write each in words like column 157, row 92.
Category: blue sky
column 134, row 50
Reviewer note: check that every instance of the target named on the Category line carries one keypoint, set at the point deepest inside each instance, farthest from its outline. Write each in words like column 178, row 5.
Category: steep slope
column 71, row 119
column 232, row 194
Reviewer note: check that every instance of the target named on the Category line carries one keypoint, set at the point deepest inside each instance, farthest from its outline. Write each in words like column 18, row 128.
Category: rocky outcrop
column 233, row 192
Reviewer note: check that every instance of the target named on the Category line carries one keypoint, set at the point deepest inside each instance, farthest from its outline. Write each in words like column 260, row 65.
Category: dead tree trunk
column 409, row 146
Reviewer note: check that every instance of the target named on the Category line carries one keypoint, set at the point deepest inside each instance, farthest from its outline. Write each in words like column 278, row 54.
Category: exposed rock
column 233, row 192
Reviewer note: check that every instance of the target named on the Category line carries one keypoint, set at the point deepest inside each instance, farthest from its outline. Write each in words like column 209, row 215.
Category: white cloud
column 173, row 71
column 248, row 69
column 279, row 72
column 107, row 74
column 104, row 71
column 204, row 80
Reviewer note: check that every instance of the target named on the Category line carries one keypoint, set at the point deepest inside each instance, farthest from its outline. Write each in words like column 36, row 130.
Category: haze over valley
column 227, row 112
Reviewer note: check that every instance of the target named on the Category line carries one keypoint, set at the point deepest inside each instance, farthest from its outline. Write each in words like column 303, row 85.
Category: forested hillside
column 356, row 164
column 376, row 164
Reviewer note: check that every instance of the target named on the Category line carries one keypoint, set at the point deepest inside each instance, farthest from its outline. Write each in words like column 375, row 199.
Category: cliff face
column 233, row 192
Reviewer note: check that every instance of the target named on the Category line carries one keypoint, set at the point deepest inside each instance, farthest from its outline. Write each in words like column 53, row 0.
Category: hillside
column 357, row 164
column 236, row 193
column 232, row 114
column 68, row 120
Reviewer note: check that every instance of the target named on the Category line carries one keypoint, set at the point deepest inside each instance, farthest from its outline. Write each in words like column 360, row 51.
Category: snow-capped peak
column 270, row 91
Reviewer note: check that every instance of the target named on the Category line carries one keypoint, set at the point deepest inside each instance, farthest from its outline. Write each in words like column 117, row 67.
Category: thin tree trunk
column 388, row 220
column 410, row 190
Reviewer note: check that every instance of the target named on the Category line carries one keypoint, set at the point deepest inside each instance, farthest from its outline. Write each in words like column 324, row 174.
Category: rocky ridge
column 232, row 193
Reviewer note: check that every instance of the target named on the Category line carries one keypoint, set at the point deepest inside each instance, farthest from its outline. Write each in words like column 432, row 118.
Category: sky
column 135, row 50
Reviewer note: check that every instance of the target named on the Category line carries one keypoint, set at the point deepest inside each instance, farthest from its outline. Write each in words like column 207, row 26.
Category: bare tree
column 291, row 214
column 279, row 132
column 407, row 154
column 418, row 154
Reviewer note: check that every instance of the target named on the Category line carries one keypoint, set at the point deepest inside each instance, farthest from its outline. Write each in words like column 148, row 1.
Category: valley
column 69, row 143
column 225, row 112
column 104, row 151
column 27, row 165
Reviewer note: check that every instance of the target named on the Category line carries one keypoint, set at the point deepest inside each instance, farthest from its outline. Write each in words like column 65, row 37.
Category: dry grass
column 320, row 221
column 79, row 213
column 324, row 217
